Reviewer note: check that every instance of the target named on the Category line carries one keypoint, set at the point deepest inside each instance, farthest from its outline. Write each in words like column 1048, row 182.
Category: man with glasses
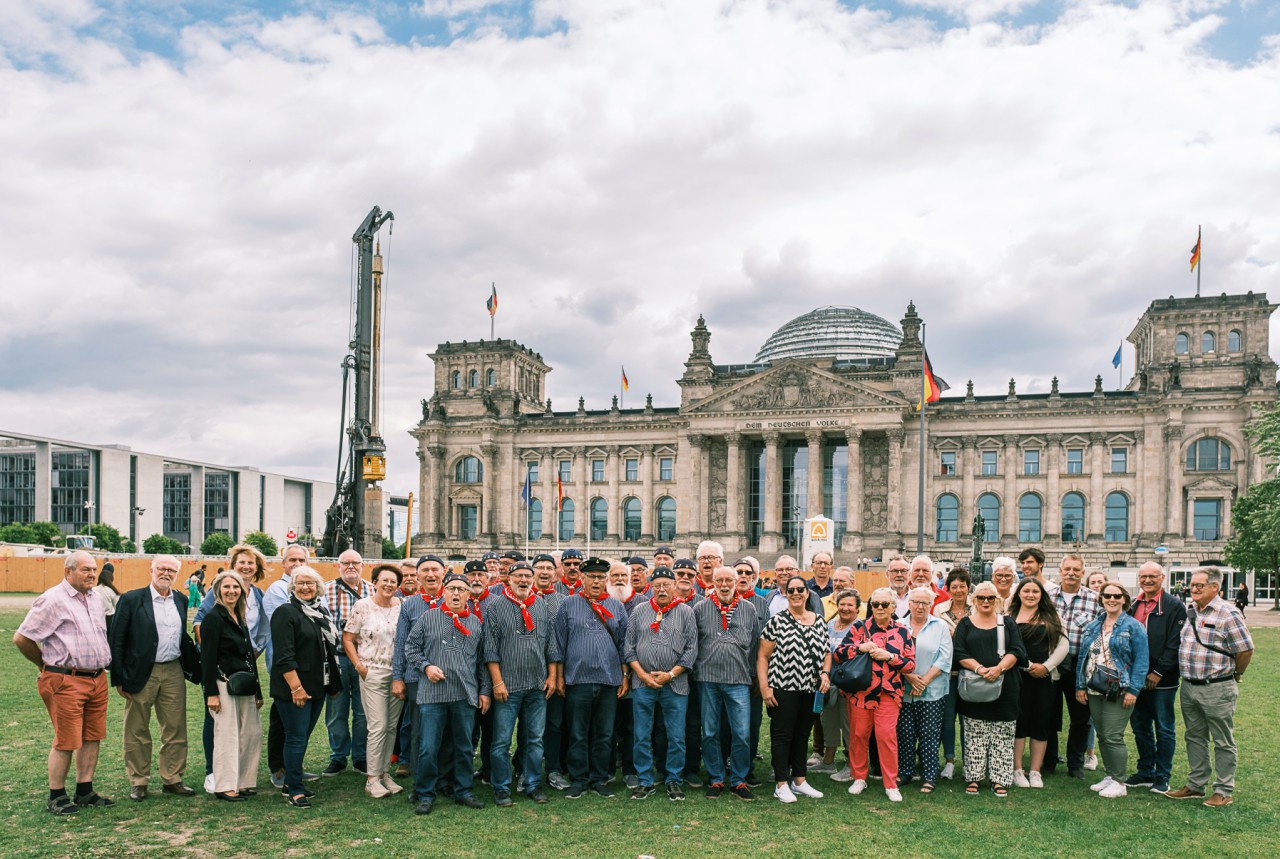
column 686, row 573
column 570, row 581
column 444, row 651
column 591, row 630
column 899, row 574
column 277, row 594
column 1154, row 731
column 1214, row 651
column 554, row 738
column 784, row 568
column 921, row 576
column 1077, row 607
column 710, row 556
column 748, row 570
column 404, row 682
column 344, row 712
column 823, row 565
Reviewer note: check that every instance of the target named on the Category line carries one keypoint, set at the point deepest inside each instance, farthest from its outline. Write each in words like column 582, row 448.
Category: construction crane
column 355, row 518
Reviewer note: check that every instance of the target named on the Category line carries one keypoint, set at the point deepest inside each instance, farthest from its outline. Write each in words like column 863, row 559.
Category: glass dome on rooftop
column 843, row 333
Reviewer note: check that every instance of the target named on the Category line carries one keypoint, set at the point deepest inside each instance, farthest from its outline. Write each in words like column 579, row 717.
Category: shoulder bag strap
column 1000, row 638
column 1196, row 632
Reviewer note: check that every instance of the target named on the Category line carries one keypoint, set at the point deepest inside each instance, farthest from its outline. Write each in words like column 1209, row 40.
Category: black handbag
column 243, row 683
column 853, row 675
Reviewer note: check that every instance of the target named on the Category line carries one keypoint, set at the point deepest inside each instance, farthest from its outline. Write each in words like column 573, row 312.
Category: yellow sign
column 375, row 468
column 818, row 529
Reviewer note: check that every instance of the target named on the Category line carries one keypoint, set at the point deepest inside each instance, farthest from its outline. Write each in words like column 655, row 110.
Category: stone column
column 548, row 474
column 1173, row 474
column 646, row 495
column 44, row 487
column 431, row 494
column 489, row 494
column 580, row 500
column 704, row 487
column 813, row 497
column 853, row 492
column 613, row 513
column 771, row 539
column 1097, row 500
column 968, row 471
column 689, row 508
column 734, row 496
column 1009, row 507
column 896, row 486
column 1052, row 524
column 1138, row 518
column 425, row 481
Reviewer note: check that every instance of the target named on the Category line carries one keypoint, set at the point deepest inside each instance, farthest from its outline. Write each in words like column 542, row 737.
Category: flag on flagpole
column 1115, row 362
column 559, row 494
column 492, row 302
column 626, row 386
column 933, row 386
column 526, row 494
column 1195, row 253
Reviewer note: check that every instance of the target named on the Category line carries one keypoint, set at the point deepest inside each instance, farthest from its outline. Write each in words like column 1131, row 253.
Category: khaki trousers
column 382, row 716
column 165, row 692
column 237, row 742
column 1208, row 712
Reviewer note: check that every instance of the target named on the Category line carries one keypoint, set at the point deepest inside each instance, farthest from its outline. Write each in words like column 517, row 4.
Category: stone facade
column 1112, row 474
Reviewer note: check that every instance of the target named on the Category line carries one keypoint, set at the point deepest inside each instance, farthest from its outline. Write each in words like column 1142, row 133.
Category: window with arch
column 473, row 379
column 947, row 516
column 1181, row 343
column 455, row 379
column 1072, row 517
column 1030, row 518
column 566, row 519
column 533, row 528
column 599, row 519
column 666, row 519
column 1209, row 454
column 1117, row 527
column 1208, row 342
column 491, row 377
column 1235, row 340
column 468, row 470
column 631, row 519
column 989, row 507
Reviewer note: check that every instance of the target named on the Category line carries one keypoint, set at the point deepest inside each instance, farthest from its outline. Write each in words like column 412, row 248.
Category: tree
column 263, row 542
column 106, row 538
column 216, row 543
column 16, row 532
column 1255, row 541
column 390, row 549
column 48, row 534
column 128, row 547
column 159, row 544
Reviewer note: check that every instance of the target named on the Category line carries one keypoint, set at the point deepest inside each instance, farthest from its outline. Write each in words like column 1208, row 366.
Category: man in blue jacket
column 1154, row 731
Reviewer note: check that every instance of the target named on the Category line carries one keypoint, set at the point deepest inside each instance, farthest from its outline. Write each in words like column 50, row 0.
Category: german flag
column 933, row 386
column 626, row 386
column 559, row 494
column 492, row 301
column 1195, row 253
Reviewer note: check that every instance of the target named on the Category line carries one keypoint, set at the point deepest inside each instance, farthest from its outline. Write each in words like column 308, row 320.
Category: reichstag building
column 824, row 421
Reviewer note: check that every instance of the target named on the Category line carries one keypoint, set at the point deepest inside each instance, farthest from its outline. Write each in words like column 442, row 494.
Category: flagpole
column 1200, row 261
column 920, row 491
column 493, row 286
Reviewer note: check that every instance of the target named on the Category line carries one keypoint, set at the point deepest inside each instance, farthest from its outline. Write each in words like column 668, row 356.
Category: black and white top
column 726, row 655
column 522, row 654
column 798, row 652
column 675, row 642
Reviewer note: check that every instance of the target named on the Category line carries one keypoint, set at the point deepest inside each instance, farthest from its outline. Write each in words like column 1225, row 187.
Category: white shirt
column 168, row 626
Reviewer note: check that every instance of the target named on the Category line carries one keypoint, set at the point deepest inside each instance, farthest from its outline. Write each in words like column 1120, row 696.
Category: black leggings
column 789, row 726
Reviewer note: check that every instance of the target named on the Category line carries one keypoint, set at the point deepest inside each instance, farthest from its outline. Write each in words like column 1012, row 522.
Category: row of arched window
column 473, row 379
column 1208, row 342
column 1031, row 517
column 598, row 516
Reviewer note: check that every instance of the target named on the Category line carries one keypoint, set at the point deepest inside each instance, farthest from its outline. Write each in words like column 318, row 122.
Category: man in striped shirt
column 591, row 630
column 662, row 644
column 686, row 573
column 728, row 631
column 554, row 745
column 404, row 682
column 522, row 654
column 344, row 712
column 1077, row 607
column 748, row 570
column 444, row 650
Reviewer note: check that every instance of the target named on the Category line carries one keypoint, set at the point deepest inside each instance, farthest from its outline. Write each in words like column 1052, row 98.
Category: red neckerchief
column 679, row 599
column 601, row 612
column 725, row 610
column 545, row 592
column 660, row 611
column 524, row 605
column 647, row 588
column 706, row 586
column 431, row 601
column 475, row 607
column 461, row 627
column 574, row 587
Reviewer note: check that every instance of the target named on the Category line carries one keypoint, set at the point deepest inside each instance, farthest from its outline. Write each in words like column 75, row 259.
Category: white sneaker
column 390, row 784
column 842, row 775
column 1102, row 785
column 209, row 786
column 893, row 793
column 814, row 760
column 782, row 793
column 949, row 771
column 1114, row 790
column 374, row 788
column 805, row 789
column 1091, row 762
column 1034, row 779
column 1020, row 779
column 857, row 787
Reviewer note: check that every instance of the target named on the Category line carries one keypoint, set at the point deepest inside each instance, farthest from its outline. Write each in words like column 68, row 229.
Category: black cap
column 571, row 553
column 662, row 573
column 474, row 567
column 636, row 559
column 435, row 558
column 684, row 564
column 455, row 577
column 520, row 565
column 664, row 550
column 489, row 556
column 595, row 565
column 547, row 558
column 513, row 555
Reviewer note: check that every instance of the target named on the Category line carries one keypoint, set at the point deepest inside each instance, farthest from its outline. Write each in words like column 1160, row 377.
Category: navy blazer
column 133, row 639
column 1164, row 633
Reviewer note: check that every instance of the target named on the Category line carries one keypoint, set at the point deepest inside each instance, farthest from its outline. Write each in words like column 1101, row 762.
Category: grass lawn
column 1063, row 819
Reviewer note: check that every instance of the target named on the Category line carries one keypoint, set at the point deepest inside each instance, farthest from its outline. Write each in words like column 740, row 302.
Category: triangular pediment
column 794, row 386
column 1212, row 483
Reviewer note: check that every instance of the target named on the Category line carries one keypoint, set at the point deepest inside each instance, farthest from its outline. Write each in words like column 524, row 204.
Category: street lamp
column 137, row 526
column 88, row 515
column 976, row 569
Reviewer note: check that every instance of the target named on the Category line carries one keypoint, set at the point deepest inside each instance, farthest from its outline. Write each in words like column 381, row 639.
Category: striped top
column 521, row 654
column 553, row 602
column 675, row 642
column 798, row 652
column 726, row 655
column 591, row 650
column 411, row 609
column 434, row 640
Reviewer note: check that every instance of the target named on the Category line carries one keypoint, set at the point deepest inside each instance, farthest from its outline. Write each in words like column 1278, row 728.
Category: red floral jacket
column 886, row 677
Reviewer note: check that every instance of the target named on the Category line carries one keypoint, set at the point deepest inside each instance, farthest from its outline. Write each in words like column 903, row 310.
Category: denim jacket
column 1129, row 651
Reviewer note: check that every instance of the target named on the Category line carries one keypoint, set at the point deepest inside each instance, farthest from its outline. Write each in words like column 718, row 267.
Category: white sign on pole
column 819, row 536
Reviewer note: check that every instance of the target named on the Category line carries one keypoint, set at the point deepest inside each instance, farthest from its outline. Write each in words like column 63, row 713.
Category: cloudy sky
column 180, row 183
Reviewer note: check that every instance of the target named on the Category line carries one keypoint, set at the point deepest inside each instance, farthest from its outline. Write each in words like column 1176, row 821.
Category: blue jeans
column 1154, row 733
column 530, row 707
column 459, row 717
column 553, row 750
column 407, row 738
column 346, row 706
column 298, row 723
column 643, row 702
column 589, row 711
column 734, row 702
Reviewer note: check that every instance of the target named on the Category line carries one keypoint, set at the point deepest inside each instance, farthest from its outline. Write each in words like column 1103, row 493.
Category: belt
column 74, row 672
column 1194, row 682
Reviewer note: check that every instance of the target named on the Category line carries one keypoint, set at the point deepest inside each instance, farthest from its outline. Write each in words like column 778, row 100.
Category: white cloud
column 174, row 235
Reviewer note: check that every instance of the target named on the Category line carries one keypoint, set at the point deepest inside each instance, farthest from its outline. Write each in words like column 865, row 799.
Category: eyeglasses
column 708, row 557
column 987, row 598
column 685, row 574
column 785, row 570
column 1113, row 596
column 797, row 590
column 920, row 604
column 458, row 589
column 1195, row 586
column 1003, row 576
column 349, row 563
column 821, row 563
column 304, row 584
column 881, row 605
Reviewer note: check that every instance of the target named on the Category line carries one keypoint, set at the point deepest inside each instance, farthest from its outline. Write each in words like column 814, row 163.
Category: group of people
column 562, row 669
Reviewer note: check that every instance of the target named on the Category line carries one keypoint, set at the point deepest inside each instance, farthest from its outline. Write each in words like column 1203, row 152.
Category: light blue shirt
column 168, row 626
column 933, row 650
column 277, row 595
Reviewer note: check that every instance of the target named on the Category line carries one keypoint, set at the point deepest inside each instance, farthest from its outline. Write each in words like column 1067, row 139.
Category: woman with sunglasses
column 989, row 726
column 1113, row 648
column 792, row 664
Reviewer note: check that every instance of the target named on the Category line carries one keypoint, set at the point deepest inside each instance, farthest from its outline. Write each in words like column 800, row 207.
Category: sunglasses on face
column 985, row 599
column 797, row 590
column 1113, row 596
column 882, row 605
